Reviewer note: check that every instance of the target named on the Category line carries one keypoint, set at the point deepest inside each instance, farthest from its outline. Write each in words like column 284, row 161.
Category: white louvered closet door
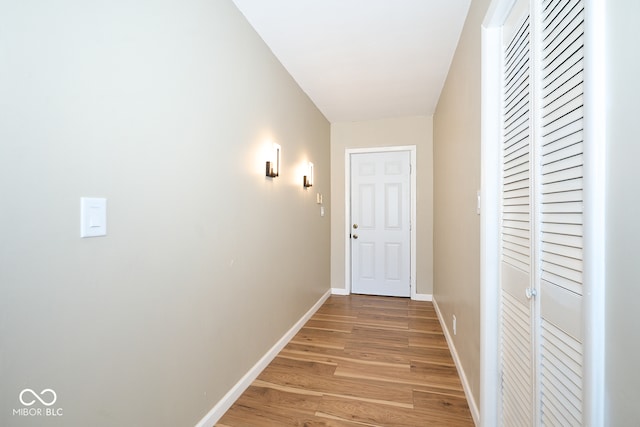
column 542, row 203
column 561, row 194
column 517, row 342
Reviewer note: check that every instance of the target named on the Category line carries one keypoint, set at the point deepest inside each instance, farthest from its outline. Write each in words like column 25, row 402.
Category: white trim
column 236, row 391
column 490, row 212
column 456, row 359
column 422, row 297
column 595, row 106
column 339, row 291
column 347, row 219
column 347, row 209
column 497, row 13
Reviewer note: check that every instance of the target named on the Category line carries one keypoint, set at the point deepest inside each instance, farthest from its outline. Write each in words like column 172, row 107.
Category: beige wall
column 456, row 151
column 416, row 131
column 165, row 109
column 622, row 377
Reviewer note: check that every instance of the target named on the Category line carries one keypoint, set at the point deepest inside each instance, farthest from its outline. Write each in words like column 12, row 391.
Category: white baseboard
column 236, row 391
column 339, row 291
column 475, row 413
column 422, row 297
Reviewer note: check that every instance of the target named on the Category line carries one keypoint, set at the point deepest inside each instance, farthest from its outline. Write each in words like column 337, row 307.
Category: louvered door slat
column 556, row 173
column 552, row 165
column 561, row 281
column 518, row 150
column 563, row 275
column 565, row 262
column 562, row 218
column 563, row 229
column 568, row 74
column 560, row 197
column 561, row 130
column 562, row 375
column 516, row 170
column 565, row 366
column 558, row 120
column 516, row 186
column 562, row 78
column 562, row 250
column 514, row 199
column 568, row 146
column 520, row 241
column 571, row 90
column 516, row 231
column 517, row 99
column 568, row 206
column 563, row 240
column 510, row 226
column 563, row 186
column 517, row 129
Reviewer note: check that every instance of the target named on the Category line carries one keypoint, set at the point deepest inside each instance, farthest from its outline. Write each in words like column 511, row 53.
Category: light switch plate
column 93, row 217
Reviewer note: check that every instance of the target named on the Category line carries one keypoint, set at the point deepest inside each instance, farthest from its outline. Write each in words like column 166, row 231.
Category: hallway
column 360, row 360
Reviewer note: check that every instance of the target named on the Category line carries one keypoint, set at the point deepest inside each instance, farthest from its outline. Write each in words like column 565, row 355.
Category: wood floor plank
column 321, row 338
column 355, row 387
column 377, row 336
column 320, row 378
column 402, row 355
column 448, row 406
column 329, row 325
column 400, row 376
column 359, row 361
column 372, row 354
column 339, row 356
column 382, row 415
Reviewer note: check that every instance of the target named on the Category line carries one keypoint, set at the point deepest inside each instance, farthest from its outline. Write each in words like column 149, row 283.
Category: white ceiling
column 363, row 59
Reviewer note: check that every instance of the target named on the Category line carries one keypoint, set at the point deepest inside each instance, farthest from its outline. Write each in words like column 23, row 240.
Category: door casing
column 347, row 191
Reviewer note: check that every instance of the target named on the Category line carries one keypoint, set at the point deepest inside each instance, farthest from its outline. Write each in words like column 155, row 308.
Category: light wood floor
column 360, row 360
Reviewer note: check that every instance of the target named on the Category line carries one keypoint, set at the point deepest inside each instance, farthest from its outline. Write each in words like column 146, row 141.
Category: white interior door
column 380, row 223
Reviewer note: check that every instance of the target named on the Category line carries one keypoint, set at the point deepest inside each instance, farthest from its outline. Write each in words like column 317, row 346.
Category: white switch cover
column 93, row 217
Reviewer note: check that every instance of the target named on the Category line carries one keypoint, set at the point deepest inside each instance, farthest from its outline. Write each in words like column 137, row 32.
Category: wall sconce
column 307, row 180
column 273, row 164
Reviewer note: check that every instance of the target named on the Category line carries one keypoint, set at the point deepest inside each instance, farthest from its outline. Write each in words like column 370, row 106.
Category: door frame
column 594, row 212
column 347, row 208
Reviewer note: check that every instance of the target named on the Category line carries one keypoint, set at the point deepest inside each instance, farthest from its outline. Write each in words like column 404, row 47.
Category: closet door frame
column 594, row 260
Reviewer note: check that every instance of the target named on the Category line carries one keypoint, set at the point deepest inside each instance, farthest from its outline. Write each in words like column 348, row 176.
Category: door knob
column 355, row 226
column 355, row 236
